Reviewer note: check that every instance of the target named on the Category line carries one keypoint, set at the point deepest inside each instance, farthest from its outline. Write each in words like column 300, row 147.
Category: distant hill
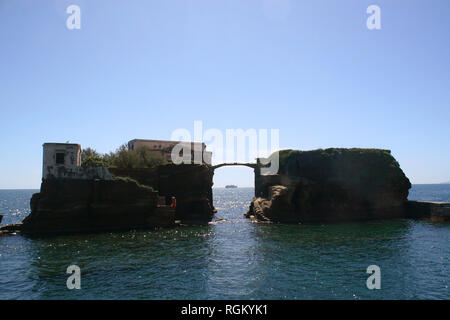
column 448, row 182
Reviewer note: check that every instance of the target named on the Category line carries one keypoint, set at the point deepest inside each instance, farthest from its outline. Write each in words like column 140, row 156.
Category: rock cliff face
column 191, row 185
column 69, row 205
column 131, row 200
column 332, row 185
column 435, row 211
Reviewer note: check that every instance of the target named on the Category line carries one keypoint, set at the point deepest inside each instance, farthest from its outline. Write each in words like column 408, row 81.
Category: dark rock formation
column 191, row 185
column 332, row 185
column 131, row 200
column 435, row 211
column 72, row 205
column 10, row 229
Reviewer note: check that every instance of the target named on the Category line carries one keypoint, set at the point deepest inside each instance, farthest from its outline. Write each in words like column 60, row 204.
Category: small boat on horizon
column 230, row 186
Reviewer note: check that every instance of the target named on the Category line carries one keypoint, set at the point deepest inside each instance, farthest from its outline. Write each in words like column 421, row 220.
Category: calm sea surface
column 234, row 259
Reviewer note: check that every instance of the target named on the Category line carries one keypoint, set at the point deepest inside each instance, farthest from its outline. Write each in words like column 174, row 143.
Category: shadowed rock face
column 76, row 205
column 67, row 205
column 332, row 185
column 436, row 211
column 190, row 184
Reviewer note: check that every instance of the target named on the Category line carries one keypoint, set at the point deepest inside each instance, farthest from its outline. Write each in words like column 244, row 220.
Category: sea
column 232, row 258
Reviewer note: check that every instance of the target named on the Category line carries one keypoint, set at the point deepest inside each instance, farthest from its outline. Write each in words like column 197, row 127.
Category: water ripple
column 230, row 259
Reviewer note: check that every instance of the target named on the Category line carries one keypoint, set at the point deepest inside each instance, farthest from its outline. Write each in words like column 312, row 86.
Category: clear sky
column 310, row 68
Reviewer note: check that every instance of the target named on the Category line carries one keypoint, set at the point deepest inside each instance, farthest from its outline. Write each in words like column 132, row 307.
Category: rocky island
column 133, row 188
column 139, row 188
column 337, row 185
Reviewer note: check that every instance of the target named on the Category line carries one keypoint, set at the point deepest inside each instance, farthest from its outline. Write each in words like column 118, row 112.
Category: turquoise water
column 234, row 259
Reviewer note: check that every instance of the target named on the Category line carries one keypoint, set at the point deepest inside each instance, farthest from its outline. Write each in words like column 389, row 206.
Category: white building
column 60, row 157
column 63, row 160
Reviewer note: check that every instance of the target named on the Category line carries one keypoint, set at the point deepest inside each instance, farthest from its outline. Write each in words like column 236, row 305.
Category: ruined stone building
column 63, row 160
column 165, row 147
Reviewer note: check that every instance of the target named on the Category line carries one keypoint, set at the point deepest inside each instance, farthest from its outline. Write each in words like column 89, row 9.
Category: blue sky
column 141, row 69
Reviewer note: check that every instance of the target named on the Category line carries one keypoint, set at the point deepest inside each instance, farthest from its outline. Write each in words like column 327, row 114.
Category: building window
column 60, row 158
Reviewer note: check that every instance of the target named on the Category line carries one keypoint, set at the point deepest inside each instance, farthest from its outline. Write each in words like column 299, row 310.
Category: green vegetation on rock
column 94, row 161
column 123, row 158
column 131, row 180
column 289, row 159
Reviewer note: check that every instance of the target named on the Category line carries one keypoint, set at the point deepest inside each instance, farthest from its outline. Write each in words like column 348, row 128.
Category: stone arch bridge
column 251, row 165
column 255, row 166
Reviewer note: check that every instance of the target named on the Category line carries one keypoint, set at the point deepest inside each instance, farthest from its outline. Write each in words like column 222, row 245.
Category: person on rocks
column 174, row 203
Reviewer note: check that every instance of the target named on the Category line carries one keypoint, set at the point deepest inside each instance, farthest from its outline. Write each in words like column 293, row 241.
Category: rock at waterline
column 332, row 185
column 69, row 206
